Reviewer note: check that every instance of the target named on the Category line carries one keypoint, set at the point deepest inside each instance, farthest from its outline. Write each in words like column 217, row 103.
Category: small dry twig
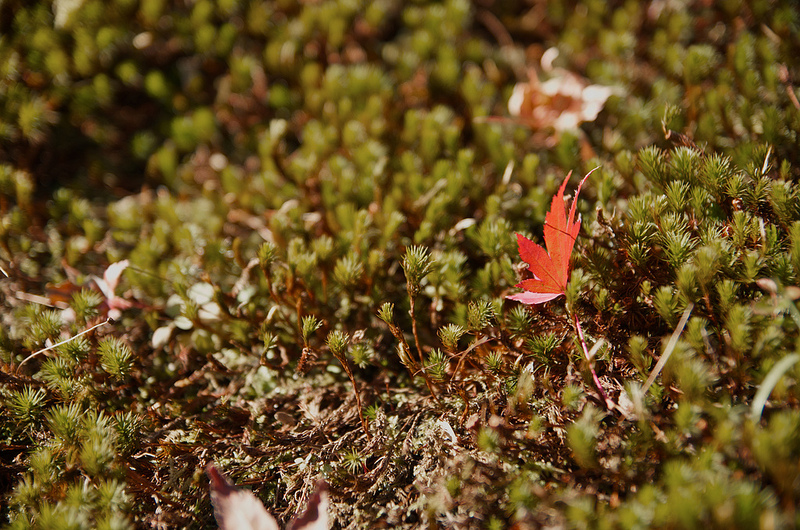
column 37, row 353
column 589, row 357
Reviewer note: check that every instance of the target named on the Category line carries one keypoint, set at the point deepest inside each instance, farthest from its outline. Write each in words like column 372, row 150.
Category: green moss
column 278, row 174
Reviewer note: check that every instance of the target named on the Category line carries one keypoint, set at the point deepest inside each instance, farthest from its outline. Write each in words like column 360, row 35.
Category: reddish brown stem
column 349, row 372
column 608, row 402
column 419, row 348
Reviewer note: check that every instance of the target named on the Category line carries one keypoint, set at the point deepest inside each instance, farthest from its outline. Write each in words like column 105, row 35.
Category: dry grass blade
column 43, row 350
column 772, row 378
column 673, row 340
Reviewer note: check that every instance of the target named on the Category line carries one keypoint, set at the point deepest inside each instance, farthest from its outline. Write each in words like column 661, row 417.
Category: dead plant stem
column 608, row 402
column 347, row 369
column 412, row 303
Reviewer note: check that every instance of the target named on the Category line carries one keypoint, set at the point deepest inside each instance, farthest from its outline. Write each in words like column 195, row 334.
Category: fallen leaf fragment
column 316, row 515
column 562, row 102
column 238, row 509
column 109, row 284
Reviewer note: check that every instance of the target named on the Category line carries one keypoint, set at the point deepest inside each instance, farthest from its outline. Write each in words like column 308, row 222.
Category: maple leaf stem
column 606, row 400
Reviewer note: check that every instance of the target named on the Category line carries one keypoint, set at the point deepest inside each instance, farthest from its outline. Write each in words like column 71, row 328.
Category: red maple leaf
column 550, row 267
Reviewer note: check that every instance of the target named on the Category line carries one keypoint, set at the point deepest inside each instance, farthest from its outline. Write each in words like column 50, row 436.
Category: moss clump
column 318, row 206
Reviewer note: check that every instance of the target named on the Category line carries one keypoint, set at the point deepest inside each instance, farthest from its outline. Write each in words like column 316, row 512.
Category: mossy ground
column 289, row 180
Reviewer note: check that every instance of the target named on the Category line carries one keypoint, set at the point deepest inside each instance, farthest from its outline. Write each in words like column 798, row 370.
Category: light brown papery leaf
column 316, row 515
column 108, row 285
column 562, row 102
column 238, row 509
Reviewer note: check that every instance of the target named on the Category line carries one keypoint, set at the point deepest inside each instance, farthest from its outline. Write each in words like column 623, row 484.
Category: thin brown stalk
column 609, row 404
column 419, row 347
column 349, row 372
column 463, row 354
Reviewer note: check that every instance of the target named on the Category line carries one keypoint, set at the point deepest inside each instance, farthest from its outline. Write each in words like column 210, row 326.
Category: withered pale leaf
column 316, row 515
column 562, row 102
column 237, row 509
